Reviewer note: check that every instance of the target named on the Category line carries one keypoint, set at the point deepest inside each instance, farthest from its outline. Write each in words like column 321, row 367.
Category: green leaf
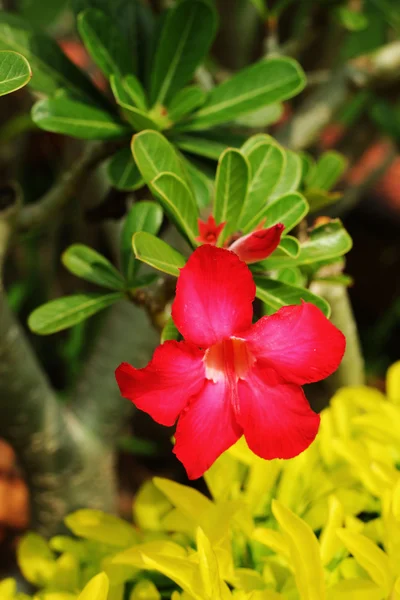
column 328, row 170
column 185, row 102
column 289, row 210
column 104, row 43
column 51, row 69
column 64, row 312
column 276, row 294
column 267, row 115
column 200, row 146
column 291, row 276
column 186, row 36
column 264, row 82
column 35, row 559
column 101, row 527
column 231, row 187
column 15, row 72
column 153, row 155
column 353, row 20
column 291, row 176
column 169, row 331
column 267, row 163
column 137, row 117
column 261, row 6
column 326, row 241
column 41, row 13
column 135, row 90
column 157, row 253
column 178, row 202
column 96, row 589
column 88, row 264
column 319, row 199
column 123, row 172
column 202, row 185
column 62, row 115
column 143, row 216
column 289, row 245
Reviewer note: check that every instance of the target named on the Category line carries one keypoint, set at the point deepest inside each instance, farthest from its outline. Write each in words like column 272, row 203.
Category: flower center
column 229, row 359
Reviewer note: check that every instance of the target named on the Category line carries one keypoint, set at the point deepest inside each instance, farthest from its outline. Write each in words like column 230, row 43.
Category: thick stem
column 351, row 370
column 126, row 336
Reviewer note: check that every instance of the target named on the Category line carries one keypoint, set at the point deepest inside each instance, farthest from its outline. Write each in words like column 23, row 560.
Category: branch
column 379, row 69
column 42, row 211
column 126, row 336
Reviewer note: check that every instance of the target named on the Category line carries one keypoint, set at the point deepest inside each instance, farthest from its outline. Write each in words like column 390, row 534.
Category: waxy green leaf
column 267, row 162
column 185, row 102
column 202, row 185
column 265, row 82
column 327, row 171
column 157, row 253
column 289, row 245
column 137, row 117
column 123, row 172
column 15, row 72
column 153, row 155
column 64, row 312
column 104, row 42
column 201, row 146
column 185, row 39
column 291, row 176
column 178, row 202
column 62, row 115
column 231, row 188
column 135, row 90
column 88, row 264
column 289, row 210
column 143, row 216
column 276, row 294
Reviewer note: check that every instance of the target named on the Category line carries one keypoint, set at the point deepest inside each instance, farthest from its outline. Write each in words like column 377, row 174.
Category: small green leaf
column 326, row 241
column 64, row 312
column 169, row 331
column 157, row 253
column 289, row 210
column 178, row 202
column 261, row 6
column 88, row 264
column 291, row 176
column 202, row 185
column 143, row 216
column 201, row 146
column 153, row 155
column 35, row 559
column 185, row 102
column 135, row 90
column 96, row 589
column 137, row 117
column 123, row 172
column 99, row 526
column 186, row 36
column 267, row 115
column 104, row 42
column 62, row 115
column 15, row 72
column 267, row 162
column 291, row 276
column 319, row 199
column 328, row 170
column 276, row 294
column 353, row 20
column 231, row 187
column 289, row 245
column 265, row 82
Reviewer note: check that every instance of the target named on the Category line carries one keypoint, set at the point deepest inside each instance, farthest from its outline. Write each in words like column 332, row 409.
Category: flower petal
column 206, row 428
column 163, row 388
column 214, row 296
column 258, row 244
column 276, row 417
column 299, row 342
column 209, row 230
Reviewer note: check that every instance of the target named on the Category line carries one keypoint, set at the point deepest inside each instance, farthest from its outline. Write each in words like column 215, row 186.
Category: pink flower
column 250, row 248
column 230, row 378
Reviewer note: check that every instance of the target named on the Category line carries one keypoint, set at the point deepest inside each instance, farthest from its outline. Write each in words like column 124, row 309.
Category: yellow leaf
column 8, row 589
column 223, row 477
column 66, row 573
column 191, row 502
column 355, row 589
column 369, row 556
column 182, row 571
column 329, row 542
column 259, row 484
column 396, row 500
column 175, row 520
column 208, row 566
column 393, row 383
column 35, row 559
column 134, row 556
column 149, row 507
column 273, row 539
column 96, row 589
column 100, row 527
column 249, row 580
column 145, row 590
column 304, row 551
column 396, row 590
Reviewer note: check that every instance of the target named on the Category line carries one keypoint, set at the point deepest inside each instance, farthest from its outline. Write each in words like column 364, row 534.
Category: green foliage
column 322, row 526
column 15, row 72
